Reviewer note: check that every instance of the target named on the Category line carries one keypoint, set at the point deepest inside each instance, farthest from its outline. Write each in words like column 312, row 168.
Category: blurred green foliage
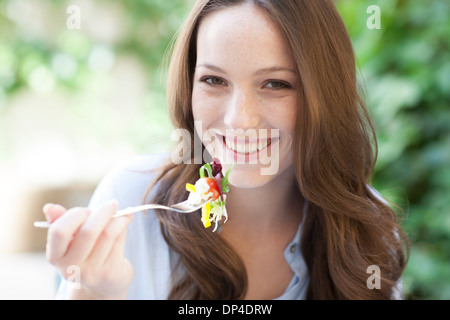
column 146, row 29
column 40, row 54
column 404, row 68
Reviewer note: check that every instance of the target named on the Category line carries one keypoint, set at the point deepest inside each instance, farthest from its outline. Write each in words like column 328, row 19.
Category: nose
column 243, row 111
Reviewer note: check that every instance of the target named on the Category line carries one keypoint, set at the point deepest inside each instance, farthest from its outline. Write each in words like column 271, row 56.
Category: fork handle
column 131, row 210
column 123, row 212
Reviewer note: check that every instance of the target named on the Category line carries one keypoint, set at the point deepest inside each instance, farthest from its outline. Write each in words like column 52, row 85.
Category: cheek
column 204, row 108
column 283, row 116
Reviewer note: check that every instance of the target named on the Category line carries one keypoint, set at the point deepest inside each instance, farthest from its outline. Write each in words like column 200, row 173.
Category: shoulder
column 128, row 181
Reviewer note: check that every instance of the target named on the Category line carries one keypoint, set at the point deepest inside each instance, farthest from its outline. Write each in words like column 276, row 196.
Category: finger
column 106, row 241
column 117, row 260
column 89, row 232
column 53, row 211
column 62, row 231
column 118, row 249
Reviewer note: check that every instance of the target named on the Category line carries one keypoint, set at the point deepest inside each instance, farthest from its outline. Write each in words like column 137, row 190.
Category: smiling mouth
column 247, row 146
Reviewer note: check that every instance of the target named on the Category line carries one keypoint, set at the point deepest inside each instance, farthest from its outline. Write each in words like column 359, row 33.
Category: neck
column 271, row 205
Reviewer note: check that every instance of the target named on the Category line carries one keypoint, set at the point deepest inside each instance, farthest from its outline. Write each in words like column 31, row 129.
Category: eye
column 277, row 85
column 214, row 81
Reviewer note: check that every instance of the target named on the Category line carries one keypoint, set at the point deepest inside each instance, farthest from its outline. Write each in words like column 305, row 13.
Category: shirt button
column 293, row 248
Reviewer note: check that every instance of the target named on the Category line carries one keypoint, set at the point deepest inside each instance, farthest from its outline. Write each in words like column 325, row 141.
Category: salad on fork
column 212, row 187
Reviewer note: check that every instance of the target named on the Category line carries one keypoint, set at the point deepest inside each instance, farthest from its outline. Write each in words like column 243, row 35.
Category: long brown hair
column 347, row 226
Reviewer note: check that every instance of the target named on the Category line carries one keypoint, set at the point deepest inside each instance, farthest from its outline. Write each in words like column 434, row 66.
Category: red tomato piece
column 213, row 187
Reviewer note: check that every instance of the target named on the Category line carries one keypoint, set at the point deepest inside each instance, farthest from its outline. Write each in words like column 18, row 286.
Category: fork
column 182, row 207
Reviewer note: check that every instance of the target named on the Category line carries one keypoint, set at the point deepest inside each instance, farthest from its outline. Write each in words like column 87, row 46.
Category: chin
column 243, row 176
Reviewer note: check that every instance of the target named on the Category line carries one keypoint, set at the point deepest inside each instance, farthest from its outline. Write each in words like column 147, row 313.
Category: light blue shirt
column 145, row 246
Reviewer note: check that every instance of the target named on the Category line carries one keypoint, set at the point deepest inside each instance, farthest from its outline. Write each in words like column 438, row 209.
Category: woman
column 310, row 229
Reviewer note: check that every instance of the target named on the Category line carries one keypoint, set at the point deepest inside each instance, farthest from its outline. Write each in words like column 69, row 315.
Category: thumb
column 53, row 211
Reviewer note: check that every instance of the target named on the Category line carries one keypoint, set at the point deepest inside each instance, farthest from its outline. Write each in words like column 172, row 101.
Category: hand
column 94, row 243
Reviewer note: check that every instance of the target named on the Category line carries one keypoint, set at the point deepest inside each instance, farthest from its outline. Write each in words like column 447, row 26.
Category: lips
column 247, row 145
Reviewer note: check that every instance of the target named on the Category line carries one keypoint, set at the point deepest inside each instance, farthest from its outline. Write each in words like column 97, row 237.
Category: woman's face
column 245, row 94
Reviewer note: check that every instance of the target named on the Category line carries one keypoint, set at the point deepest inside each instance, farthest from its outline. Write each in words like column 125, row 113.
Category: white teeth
column 240, row 147
column 262, row 145
column 230, row 144
column 246, row 147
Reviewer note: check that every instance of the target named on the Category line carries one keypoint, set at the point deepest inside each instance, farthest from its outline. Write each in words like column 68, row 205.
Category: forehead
column 245, row 32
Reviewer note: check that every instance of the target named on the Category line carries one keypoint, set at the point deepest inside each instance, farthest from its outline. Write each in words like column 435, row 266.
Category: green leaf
column 225, row 183
column 208, row 169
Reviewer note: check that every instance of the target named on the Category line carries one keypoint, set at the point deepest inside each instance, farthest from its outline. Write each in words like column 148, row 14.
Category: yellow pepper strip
column 190, row 187
column 205, row 215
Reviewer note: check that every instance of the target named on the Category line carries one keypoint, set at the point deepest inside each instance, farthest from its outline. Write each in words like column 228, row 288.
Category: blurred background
column 82, row 90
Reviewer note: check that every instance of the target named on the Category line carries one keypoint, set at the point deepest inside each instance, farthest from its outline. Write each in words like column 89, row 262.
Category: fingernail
column 46, row 207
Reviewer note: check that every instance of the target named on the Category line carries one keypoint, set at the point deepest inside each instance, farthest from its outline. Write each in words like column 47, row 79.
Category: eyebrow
column 274, row 69
column 258, row 72
column 211, row 67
